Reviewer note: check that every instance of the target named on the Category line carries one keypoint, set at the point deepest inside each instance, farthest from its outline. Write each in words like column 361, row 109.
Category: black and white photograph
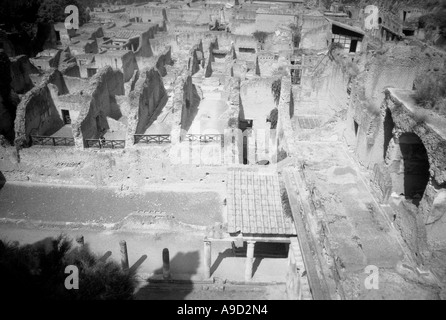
column 226, row 156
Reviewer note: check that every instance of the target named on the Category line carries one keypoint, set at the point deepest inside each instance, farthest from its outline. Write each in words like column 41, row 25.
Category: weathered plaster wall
column 75, row 84
column 257, row 100
column 315, row 33
column 122, row 60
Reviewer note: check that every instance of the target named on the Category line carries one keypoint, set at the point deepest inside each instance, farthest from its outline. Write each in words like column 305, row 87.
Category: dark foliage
column 38, row 272
column 435, row 19
column 16, row 14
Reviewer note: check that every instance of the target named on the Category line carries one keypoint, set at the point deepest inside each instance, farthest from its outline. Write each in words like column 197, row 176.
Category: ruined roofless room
column 219, row 150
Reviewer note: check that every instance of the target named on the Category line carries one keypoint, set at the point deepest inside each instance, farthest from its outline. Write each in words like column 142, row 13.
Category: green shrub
column 38, row 272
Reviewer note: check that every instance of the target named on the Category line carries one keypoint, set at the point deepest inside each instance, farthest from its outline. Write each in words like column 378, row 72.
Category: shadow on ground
column 2, row 180
column 182, row 268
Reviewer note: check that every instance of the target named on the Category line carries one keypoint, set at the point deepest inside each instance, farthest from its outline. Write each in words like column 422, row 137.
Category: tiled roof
column 254, row 204
column 306, row 122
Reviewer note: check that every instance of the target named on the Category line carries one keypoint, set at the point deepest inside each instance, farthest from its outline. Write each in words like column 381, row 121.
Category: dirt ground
column 104, row 205
column 51, row 210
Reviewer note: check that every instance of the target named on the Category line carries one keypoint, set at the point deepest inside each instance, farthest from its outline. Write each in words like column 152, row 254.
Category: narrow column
column 207, row 259
column 124, row 255
column 249, row 260
column 166, row 264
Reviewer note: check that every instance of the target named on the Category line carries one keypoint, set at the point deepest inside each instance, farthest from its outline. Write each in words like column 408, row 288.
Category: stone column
column 249, row 260
column 124, row 255
column 166, row 264
column 207, row 259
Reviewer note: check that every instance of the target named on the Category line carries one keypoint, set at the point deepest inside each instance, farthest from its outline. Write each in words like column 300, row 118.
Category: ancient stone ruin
column 318, row 127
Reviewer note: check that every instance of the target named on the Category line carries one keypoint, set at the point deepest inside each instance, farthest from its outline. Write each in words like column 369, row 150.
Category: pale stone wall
column 270, row 22
column 121, row 60
column 146, row 99
column 257, row 100
column 121, row 169
column 316, row 33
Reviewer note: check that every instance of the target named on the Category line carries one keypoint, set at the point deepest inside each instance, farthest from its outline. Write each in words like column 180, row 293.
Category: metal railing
column 105, row 144
column 52, row 141
column 203, row 137
column 152, row 138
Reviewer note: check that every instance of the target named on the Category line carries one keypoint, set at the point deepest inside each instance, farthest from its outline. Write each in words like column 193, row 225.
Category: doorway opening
column 416, row 166
column 66, row 116
column 388, row 131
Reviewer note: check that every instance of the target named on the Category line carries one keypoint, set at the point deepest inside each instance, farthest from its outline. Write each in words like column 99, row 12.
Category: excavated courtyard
column 278, row 150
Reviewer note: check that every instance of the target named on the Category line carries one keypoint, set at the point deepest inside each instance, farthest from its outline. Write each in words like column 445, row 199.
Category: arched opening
column 388, row 131
column 416, row 166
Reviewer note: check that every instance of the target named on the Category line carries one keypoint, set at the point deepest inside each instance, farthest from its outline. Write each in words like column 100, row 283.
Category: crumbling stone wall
column 211, row 45
column 37, row 114
column 196, row 58
column 145, row 49
column 186, row 99
column 147, row 98
column 395, row 67
column 233, row 100
column 162, row 60
column 92, row 120
column 121, row 169
column 21, row 68
column 430, row 217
